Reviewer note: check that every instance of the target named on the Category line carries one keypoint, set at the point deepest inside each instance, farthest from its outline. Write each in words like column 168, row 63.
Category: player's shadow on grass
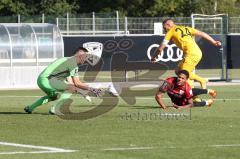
column 145, row 107
column 139, row 107
column 21, row 113
column 150, row 107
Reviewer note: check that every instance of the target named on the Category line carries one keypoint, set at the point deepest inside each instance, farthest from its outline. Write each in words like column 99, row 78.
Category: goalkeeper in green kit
column 60, row 80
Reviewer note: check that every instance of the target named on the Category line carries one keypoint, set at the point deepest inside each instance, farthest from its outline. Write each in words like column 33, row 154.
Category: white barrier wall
column 25, row 50
column 19, row 77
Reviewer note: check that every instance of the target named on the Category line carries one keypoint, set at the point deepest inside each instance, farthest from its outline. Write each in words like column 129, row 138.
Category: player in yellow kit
column 183, row 37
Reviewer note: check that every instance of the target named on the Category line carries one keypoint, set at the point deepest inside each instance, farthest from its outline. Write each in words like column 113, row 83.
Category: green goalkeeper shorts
column 52, row 86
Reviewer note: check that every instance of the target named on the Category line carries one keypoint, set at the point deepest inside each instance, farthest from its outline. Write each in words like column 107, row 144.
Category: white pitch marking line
column 170, row 147
column 229, row 145
column 139, row 98
column 45, row 148
column 128, row 148
column 32, row 152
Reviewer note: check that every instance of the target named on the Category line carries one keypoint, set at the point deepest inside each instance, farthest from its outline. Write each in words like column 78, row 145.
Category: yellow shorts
column 190, row 60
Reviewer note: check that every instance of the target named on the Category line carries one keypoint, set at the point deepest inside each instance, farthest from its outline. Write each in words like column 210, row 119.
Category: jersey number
column 186, row 33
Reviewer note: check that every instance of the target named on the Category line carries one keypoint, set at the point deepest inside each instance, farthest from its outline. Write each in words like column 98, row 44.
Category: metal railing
column 234, row 25
column 95, row 24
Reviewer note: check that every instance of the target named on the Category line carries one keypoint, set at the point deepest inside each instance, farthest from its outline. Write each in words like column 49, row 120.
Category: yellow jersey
column 183, row 37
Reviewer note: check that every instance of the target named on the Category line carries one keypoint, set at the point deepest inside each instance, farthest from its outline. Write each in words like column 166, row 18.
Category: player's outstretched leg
column 41, row 101
column 55, row 109
column 199, row 91
column 202, row 81
column 203, row 103
column 189, row 64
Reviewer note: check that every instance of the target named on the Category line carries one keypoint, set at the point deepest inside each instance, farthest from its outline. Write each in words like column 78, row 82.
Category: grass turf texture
column 184, row 138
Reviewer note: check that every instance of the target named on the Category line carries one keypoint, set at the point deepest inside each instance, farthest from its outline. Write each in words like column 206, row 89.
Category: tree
column 9, row 7
column 229, row 7
column 57, row 7
column 171, row 8
column 133, row 8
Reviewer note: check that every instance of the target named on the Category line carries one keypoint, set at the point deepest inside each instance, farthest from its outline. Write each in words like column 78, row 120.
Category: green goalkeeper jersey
column 61, row 68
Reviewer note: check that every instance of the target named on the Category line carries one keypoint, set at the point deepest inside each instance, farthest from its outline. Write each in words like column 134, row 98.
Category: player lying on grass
column 60, row 80
column 181, row 93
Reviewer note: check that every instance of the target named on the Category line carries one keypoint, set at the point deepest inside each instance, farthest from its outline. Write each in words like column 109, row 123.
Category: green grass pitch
column 207, row 133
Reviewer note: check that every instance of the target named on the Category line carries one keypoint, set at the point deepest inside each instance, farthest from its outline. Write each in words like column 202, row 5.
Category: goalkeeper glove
column 97, row 91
